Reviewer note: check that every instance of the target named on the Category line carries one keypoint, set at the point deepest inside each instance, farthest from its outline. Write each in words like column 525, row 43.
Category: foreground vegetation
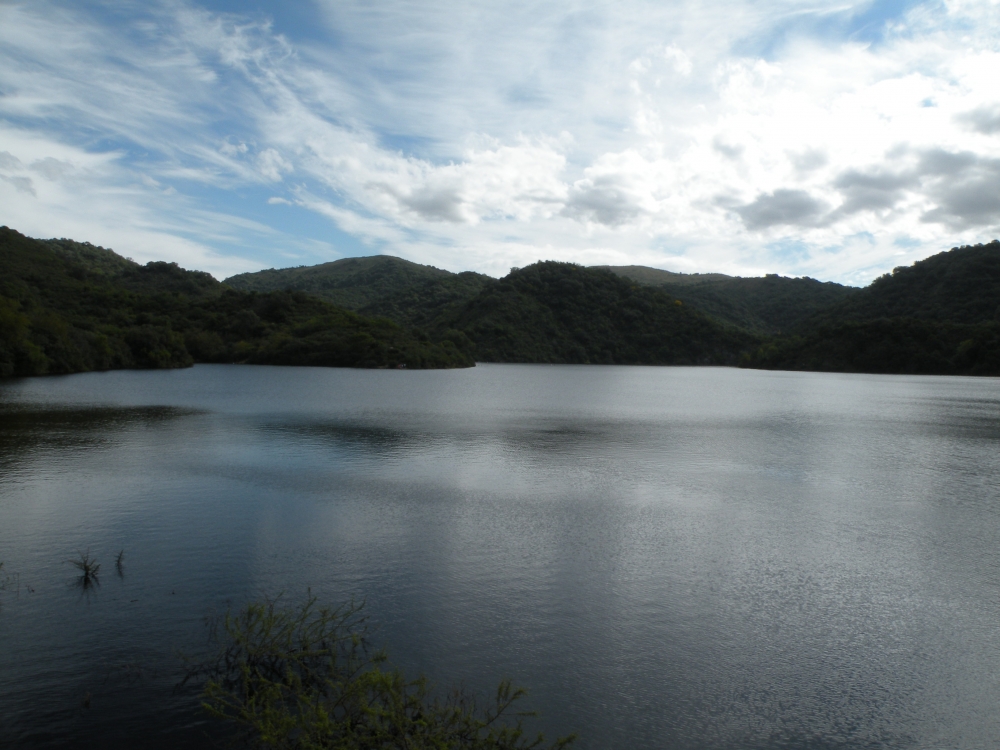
column 305, row 677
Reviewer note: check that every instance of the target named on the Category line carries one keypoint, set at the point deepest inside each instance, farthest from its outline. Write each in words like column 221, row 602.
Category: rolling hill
column 767, row 305
column 70, row 307
column 562, row 313
column 939, row 316
column 353, row 283
column 67, row 306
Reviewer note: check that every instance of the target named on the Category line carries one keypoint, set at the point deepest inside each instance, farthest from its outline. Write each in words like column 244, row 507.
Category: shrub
column 305, row 677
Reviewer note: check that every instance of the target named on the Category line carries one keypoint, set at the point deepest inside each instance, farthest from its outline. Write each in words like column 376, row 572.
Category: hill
column 70, row 307
column 426, row 303
column 562, row 313
column 939, row 316
column 350, row 282
column 659, row 277
column 961, row 285
column 67, row 306
column 767, row 305
column 886, row 345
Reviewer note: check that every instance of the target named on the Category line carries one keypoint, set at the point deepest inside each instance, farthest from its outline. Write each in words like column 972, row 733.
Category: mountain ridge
column 66, row 306
column 73, row 307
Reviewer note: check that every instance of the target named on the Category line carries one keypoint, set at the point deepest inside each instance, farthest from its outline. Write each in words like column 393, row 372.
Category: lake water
column 664, row 557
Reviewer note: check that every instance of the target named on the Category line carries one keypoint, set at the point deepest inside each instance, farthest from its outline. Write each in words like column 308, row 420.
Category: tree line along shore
column 68, row 306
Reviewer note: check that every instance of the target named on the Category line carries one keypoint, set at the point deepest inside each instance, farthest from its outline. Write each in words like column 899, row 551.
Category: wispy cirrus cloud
column 493, row 134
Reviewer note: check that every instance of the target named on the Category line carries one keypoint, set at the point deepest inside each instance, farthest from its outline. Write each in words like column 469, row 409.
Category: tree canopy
column 72, row 307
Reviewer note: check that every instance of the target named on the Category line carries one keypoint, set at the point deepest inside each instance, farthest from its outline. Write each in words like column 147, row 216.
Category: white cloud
column 94, row 197
column 488, row 135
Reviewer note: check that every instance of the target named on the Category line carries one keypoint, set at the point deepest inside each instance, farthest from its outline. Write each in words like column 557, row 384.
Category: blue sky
column 834, row 140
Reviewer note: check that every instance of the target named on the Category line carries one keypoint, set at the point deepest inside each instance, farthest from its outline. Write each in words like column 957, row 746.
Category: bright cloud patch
column 483, row 136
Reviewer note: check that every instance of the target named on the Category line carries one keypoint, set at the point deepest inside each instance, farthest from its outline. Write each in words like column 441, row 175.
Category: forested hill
column 350, row 282
column 767, row 304
column 562, row 313
column 70, row 307
column 547, row 312
column 939, row 316
column 416, row 295
column 659, row 277
column 961, row 285
column 67, row 306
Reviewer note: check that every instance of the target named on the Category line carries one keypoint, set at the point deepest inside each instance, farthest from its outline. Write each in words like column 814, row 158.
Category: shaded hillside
column 562, row 313
column 659, row 277
column 425, row 304
column 887, row 345
column 350, row 282
column 766, row 304
column 939, row 316
column 961, row 285
column 71, row 307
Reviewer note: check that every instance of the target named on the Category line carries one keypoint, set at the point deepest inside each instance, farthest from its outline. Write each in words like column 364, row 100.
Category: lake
column 664, row 557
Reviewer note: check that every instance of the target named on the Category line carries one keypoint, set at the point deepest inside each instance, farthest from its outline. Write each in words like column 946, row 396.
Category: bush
column 305, row 677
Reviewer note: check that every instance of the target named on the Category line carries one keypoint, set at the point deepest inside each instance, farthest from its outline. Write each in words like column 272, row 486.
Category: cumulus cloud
column 782, row 207
column 965, row 187
column 488, row 135
column 272, row 165
column 604, row 199
column 871, row 190
column 729, row 150
column 985, row 120
column 808, row 160
column 961, row 187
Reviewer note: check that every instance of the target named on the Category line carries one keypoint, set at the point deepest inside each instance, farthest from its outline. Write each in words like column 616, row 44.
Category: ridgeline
column 72, row 307
column 940, row 316
column 67, row 306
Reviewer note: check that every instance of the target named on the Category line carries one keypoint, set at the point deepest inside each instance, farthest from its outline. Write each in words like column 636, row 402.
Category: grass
column 119, row 566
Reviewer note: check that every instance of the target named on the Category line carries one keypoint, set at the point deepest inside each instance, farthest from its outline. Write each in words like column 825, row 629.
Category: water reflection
column 28, row 429
column 376, row 440
column 694, row 558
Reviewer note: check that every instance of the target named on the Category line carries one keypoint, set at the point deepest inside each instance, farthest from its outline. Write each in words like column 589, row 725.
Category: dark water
column 665, row 557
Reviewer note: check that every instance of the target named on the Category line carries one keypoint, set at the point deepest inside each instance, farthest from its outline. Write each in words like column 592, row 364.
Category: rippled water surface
column 665, row 557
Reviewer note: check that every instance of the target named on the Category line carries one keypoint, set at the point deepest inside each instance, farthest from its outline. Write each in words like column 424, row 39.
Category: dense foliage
column 304, row 677
column 72, row 307
column 767, row 304
column 961, row 285
column 939, row 316
column 67, row 306
column 548, row 312
column 658, row 277
column 887, row 345
column 563, row 313
column 355, row 283
column 428, row 304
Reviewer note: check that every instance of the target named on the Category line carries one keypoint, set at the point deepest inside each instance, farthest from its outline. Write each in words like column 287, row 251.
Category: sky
column 830, row 140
